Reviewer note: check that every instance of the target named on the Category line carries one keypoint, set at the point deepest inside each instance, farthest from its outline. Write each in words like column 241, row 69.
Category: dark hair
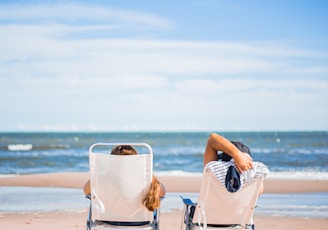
column 124, row 150
column 240, row 146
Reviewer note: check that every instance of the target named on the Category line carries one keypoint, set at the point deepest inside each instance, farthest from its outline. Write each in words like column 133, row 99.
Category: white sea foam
column 176, row 173
column 20, row 147
column 7, row 175
column 310, row 175
column 274, row 175
column 305, row 175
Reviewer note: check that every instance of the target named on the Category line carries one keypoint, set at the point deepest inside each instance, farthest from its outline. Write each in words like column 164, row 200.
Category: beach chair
column 218, row 208
column 118, row 184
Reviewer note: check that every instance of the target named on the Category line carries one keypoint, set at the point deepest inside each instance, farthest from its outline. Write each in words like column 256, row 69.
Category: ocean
column 286, row 154
column 302, row 155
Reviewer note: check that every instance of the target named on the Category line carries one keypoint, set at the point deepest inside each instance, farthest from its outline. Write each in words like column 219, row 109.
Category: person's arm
column 162, row 190
column 215, row 142
column 86, row 188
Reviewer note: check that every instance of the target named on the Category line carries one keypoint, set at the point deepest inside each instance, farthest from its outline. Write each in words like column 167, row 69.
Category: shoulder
column 218, row 166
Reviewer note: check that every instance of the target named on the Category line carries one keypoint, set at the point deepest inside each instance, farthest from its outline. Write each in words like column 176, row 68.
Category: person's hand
column 243, row 162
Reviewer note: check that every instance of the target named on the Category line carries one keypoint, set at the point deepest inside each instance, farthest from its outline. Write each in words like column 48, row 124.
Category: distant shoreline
column 163, row 131
column 173, row 183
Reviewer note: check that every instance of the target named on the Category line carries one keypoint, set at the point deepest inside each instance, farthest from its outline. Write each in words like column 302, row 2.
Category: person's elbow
column 162, row 190
column 86, row 188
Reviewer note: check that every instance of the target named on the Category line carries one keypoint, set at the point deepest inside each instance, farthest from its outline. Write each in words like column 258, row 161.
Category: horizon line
column 158, row 131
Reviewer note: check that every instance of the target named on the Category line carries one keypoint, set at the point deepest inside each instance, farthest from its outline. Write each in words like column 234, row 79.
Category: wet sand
column 170, row 220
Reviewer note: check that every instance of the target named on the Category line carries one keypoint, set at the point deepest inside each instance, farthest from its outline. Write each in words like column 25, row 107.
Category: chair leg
column 250, row 226
column 188, row 216
column 156, row 219
column 89, row 222
column 156, row 226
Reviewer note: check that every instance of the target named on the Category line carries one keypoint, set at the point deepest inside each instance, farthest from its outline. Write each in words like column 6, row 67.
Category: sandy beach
column 170, row 220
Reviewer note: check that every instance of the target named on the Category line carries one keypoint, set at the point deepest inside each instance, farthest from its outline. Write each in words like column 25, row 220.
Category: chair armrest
column 188, row 202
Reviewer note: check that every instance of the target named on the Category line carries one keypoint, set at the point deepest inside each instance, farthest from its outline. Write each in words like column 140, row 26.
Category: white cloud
column 74, row 83
column 107, row 57
column 72, row 13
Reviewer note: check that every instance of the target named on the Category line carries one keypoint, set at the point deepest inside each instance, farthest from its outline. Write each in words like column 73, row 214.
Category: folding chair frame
column 189, row 210
column 154, row 225
column 145, row 225
column 189, row 220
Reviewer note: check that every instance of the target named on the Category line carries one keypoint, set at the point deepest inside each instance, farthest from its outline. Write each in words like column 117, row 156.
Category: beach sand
column 169, row 220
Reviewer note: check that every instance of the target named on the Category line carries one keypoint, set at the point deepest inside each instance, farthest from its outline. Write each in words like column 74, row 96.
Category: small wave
column 27, row 147
column 176, row 173
column 7, row 175
column 20, row 147
column 306, row 175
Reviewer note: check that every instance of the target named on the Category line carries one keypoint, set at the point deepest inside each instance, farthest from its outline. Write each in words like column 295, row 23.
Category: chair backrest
column 118, row 184
column 218, row 206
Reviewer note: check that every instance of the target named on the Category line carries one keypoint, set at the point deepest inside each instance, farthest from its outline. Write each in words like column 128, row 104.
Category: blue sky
column 192, row 65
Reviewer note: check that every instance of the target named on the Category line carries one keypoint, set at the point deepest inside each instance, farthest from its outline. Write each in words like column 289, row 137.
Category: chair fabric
column 216, row 206
column 118, row 184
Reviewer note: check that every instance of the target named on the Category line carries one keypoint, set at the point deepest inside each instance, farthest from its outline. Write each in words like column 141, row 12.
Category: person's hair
column 242, row 147
column 124, row 150
column 152, row 200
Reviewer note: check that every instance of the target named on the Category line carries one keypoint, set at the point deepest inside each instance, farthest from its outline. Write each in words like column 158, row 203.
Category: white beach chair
column 118, row 184
column 218, row 208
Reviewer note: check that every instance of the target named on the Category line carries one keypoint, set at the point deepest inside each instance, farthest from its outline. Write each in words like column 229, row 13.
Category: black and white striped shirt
column 220, row 168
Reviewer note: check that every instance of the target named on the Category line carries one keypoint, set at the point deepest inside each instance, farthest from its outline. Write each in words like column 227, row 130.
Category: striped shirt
column 220, row 168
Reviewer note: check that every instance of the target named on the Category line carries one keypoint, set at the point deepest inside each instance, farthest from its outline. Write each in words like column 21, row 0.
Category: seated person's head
column 240, row 146
column 124, row 150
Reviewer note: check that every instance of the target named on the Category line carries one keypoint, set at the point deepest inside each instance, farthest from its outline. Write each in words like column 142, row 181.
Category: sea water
column 286, row 154
column 302, row 155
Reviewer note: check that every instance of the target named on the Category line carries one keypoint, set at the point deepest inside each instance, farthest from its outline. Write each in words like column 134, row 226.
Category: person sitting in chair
column 156, row 189
column 234, row 166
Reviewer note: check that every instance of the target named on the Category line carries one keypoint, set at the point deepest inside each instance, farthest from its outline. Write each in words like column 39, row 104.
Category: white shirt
column 220, row 168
